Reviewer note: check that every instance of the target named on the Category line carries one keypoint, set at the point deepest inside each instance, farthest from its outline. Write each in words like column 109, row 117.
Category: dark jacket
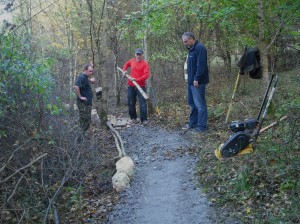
column 250, row 63
column 197, row 64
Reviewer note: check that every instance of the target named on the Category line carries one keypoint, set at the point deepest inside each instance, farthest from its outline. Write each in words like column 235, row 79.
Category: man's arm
column 201, row 63
column 145, row 74
column 77, row 91
column 126, row 65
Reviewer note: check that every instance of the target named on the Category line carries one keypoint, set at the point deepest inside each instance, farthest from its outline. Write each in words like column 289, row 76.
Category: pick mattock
column 135, row 83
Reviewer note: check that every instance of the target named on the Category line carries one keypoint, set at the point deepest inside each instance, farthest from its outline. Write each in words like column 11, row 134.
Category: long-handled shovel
column 135, row 83
column 232, row 97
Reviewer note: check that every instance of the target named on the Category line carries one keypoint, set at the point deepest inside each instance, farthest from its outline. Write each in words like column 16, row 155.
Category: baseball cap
column 139, row 51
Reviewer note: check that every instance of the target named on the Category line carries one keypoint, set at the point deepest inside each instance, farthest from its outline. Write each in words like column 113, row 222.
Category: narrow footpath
column 164, row 188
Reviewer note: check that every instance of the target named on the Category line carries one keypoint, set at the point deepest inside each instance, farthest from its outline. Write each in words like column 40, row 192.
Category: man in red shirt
column 139, row 71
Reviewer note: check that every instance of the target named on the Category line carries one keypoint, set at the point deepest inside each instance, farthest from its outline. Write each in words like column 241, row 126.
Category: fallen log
column 118, row 140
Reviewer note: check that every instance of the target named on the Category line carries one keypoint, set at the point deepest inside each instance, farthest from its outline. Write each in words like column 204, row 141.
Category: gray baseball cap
column 139, row 51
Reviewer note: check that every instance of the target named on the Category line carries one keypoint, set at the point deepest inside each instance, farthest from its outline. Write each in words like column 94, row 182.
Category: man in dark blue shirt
column 84, row 95
column 197, row 71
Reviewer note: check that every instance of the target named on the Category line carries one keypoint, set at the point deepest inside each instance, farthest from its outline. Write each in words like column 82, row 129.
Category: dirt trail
column 164, row 187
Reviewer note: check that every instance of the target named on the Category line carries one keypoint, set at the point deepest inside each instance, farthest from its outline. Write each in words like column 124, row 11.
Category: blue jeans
column 198, row 108
column 133, row 93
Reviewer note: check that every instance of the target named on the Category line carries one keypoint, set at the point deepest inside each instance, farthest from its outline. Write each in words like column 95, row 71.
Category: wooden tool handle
column 135, row 83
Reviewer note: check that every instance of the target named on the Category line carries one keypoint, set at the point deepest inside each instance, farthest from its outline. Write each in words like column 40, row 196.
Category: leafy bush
column 25, row 87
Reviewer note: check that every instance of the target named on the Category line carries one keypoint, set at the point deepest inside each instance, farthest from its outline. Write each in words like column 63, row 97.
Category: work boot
column 145, row 122
column 134, row 121
column 187, row 127
column 199, row 131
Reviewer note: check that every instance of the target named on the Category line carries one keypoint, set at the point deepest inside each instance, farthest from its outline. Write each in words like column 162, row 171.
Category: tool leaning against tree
column 246, row 132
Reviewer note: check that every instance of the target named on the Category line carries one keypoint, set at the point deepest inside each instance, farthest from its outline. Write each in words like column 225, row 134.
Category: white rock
column 120, row 181
column 125, row 165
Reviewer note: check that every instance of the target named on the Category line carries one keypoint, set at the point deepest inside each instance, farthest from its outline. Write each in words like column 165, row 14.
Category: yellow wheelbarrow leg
column 248, row 149
column 218, row 152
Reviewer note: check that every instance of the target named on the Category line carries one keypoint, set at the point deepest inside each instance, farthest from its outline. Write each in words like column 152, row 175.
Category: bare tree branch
column 51, row 201
column 26, row 21
column 28, row 165
column 12, row 155
column 16, row 187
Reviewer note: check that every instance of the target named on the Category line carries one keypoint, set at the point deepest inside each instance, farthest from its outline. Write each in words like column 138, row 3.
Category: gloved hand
column 131, row 79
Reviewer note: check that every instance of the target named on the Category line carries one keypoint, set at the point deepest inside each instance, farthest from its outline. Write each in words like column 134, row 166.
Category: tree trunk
column 95, row 34
column 262, row 42
column 222, row 49
column 149, row 83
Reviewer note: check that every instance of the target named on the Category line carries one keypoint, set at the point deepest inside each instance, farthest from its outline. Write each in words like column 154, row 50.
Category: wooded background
column 43, row 50
column 67, row 34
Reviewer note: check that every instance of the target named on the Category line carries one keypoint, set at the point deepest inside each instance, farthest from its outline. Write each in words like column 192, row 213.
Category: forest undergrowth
column 261, row 187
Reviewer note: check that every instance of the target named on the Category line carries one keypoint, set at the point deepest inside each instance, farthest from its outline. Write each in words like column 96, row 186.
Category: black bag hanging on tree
column 250, row 63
